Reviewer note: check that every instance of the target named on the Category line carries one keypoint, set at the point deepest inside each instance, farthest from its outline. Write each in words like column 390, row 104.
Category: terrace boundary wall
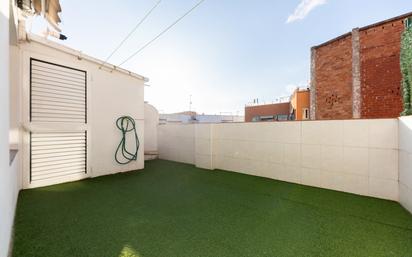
column 354, row 156
column 405, row 162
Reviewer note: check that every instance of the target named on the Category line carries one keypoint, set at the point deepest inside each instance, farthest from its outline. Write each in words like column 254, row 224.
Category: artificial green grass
column 176, row 210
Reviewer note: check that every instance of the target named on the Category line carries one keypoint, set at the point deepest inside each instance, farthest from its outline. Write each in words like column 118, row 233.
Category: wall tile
column 312, row 177
column 356, row 160
column 288, row 132
column 203, row 131
column 383, row 164
column 383, row 133
column 332, row 158
column 203, row 161
column 332, row 133
column 292, row 155
column 405, row 133
column 271, row 170
column 355, row 184
column 275, row 152
column 405, row 168
column 384, row 188
column 290, row 174
column 311, row 156
column 312, row 132
column 405, row 197
column 355, row 133
column 333, row 181
column 254, row 150
column 203, row 146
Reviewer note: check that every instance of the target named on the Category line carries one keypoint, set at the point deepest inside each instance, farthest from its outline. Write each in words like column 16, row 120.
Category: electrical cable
column 131, row 32
column 126, row 124
column 161, row 33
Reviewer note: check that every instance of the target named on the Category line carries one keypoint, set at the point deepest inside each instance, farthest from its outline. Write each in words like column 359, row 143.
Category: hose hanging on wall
column 126, row 124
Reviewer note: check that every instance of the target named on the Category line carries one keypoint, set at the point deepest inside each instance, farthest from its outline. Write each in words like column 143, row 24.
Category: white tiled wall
column 405, row 162
column 356, row 156
column 176, row 142
column 203, row 146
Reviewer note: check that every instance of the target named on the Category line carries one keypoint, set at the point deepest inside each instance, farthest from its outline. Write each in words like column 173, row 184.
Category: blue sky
column 225, row 53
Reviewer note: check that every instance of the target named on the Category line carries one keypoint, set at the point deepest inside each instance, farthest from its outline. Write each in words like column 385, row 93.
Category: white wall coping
column 80, row 55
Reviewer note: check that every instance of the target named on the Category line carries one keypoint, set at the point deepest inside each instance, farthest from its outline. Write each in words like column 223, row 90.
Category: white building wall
column 356, row 156
column 151, row 122
column 8, row 174
column 405, row 162
column 110, row 94
column 176, row 142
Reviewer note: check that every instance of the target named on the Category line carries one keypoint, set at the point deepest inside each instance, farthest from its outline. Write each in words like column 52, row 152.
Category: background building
column 193, row 117
column 297, row 107
column 267, row 112
column 357, row 75
column 300, row 104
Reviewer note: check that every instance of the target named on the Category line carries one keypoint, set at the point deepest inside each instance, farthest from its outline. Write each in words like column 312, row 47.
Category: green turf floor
column 176, row 210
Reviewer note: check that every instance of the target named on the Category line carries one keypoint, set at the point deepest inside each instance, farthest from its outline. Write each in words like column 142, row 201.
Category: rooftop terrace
column 172, row 209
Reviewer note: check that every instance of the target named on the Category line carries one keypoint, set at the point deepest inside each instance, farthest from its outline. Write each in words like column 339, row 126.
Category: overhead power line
column 131, row 32
column 161, row 33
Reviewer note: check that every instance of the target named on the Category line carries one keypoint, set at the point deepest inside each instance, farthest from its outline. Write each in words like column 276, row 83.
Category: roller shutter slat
column 57, row 174
column 52, row 71
column 54, row 138
column 57, row 107
column 58, row 152
column 53, row 165
column 59, row 158
column 53, row 75
column 58, row 87
column 40, row 79
column 40, row 64
column 58, row 84
column 42, row 104
column 59, row 93
column 36, row 99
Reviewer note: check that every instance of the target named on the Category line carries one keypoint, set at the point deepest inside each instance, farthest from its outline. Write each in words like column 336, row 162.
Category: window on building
column 305, row 114
column 282, row 117
column 408, row 22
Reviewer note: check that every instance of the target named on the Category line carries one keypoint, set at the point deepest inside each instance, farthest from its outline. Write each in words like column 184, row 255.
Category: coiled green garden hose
column 126, row 124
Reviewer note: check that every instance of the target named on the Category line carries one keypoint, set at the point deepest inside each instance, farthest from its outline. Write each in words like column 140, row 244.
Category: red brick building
column 267, row 112
column 357, row 75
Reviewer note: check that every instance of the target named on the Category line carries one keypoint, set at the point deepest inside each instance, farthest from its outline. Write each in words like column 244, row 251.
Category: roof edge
column 332, row 40
column 80, row 55
column 403, row 16
column 259, row 105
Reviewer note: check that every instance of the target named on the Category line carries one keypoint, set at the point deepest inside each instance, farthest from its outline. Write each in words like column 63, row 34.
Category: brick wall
column 333, row 75
column 380, row 70
column 375, row 52
column 266, row 110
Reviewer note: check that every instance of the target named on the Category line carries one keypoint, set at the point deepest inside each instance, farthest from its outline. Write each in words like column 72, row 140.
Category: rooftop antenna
column 190, row 103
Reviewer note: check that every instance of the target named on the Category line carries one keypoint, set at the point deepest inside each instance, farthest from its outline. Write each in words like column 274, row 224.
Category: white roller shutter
column 56, row 155
column 58, row 94
column 58, row 98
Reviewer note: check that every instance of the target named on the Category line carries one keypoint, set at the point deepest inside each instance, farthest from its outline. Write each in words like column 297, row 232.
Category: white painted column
column 7, row 194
